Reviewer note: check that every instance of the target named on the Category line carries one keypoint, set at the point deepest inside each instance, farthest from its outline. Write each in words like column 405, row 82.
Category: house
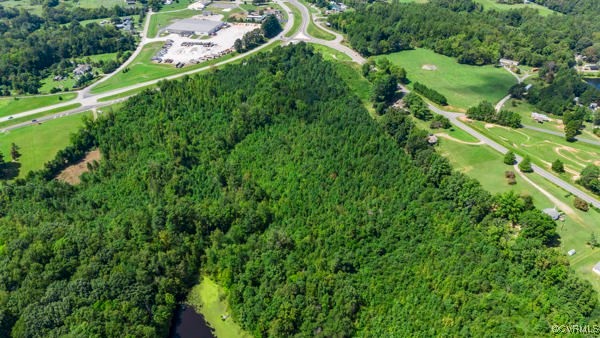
column 571, row 252
column 528, row 87
column 596, row 268
column 590, row 67
column 130, row 2
column 82, row 69
column 553, row 213
column 593, row 106
column 540, row 118
column 508, row 63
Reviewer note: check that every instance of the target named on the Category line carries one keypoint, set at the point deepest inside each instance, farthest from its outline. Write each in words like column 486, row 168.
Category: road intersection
column 90, row 101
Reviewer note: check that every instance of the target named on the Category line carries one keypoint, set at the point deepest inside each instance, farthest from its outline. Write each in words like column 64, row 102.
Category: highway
column 90, row 101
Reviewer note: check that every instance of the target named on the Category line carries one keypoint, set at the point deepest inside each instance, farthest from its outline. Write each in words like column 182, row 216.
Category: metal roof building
column 194, row 26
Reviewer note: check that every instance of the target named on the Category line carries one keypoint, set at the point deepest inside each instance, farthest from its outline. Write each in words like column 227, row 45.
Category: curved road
column 91, row 101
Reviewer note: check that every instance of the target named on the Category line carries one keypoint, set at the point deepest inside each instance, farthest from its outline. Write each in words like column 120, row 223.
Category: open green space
column 23, row 4
column 485, row 164
column 492, row 4
column 125, row 94
column 541, row 147
column 316, row 32
column 209, row 299
column 38, row 115
column 39, row 143
column 330, row 53
column 162, row 19
column 142, row 69
column 297, row 20
column 176, row 5
column 14, row 105
column 463, row 85
column 96, row 3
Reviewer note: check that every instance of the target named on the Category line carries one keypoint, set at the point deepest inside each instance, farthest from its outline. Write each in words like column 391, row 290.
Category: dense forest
column 318, row 221
column 461, row 29
column 31, row 46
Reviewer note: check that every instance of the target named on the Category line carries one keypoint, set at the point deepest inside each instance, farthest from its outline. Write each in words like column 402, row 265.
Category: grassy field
column 297, row 20
column 492, row 4
column 207, row 298
column 162, row 19
column 10, row 105
column 181, row 4
column 543, row 148
column 125, row 94
column 316, row 32
column 39, row 143
column 97, row 3
column 330, row 53
column 143, row 69
column 38, row 115
column 485, row 164
column 463, row 85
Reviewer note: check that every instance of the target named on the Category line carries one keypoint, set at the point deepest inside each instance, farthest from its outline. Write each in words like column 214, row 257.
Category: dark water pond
column 189, row 324
column 594, row 82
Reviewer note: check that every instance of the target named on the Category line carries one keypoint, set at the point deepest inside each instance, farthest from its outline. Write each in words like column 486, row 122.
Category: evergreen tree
column 525, row 165
column 510, row 158
column 271, row 26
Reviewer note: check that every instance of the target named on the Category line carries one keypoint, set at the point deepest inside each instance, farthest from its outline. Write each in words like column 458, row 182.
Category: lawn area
column 162, row 19
column 125, row 94
column 39, row 143
column 13, row 105
column 543, row 148
column 485, row 164
column 463, row 85
column 330, row 53
column 316, row 32
column 96, row 3
column 142, row 69
column 209, row 299
column 38, row 115
column 492, row 4
column 297, row 20
column 176, row 5
column 23, row 4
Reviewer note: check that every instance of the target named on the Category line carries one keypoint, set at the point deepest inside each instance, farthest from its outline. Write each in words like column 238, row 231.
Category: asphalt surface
column 90, row 101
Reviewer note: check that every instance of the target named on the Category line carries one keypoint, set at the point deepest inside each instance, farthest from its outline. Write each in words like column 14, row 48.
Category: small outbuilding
column 571, row 252
column 82, row 69
column 508, row 63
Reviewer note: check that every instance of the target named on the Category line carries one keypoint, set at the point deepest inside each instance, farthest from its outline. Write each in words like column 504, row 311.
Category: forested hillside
column 271, row 176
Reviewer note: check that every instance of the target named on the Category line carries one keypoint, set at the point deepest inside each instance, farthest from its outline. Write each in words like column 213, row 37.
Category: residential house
column 82, row 69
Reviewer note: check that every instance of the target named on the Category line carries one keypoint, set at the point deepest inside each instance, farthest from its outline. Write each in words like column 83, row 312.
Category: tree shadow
column 9, row 170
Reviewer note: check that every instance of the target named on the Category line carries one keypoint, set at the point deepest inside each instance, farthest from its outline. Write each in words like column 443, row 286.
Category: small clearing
column 429, row 67
column 72, row 173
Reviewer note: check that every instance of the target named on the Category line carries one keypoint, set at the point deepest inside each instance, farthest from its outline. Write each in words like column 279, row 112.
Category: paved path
column 580, row 139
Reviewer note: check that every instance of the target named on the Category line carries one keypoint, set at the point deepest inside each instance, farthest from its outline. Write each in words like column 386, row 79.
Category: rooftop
column 552, row 212
column 194, row 25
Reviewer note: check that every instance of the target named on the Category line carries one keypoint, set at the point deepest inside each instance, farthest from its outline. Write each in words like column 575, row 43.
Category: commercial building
column 187, row 27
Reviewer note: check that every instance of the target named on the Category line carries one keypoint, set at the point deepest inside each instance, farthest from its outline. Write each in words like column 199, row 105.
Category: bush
column 510, row 177
column 430, row 94
column 558, row 166
column 525, row 165
column 510, row 158
column 581, row 204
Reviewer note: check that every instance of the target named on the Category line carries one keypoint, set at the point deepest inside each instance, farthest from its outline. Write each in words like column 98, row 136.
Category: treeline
column 318, row 221
column 30, row 48
column 461, row 29
column 269, row 28
column 429, row 93
column 486, row 112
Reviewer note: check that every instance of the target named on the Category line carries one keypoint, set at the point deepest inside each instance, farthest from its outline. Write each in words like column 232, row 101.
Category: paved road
column 89, row 101
column 580, row 139
column 454, row 118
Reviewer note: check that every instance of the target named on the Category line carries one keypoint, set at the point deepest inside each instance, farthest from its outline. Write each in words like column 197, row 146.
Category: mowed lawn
column 12, row 105
column 40, row 143
column 463, row 85
column 492, row 4
column 163, row 19
column 485, row 165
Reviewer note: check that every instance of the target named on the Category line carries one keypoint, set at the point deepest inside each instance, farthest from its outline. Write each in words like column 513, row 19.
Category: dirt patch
column 72, row 173
column 429, row 67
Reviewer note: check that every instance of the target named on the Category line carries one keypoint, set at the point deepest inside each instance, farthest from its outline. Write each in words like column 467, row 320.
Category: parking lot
column 180, row 51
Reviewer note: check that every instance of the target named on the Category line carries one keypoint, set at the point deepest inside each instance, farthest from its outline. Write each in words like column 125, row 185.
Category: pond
column 594, row 82
column 189, row 324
